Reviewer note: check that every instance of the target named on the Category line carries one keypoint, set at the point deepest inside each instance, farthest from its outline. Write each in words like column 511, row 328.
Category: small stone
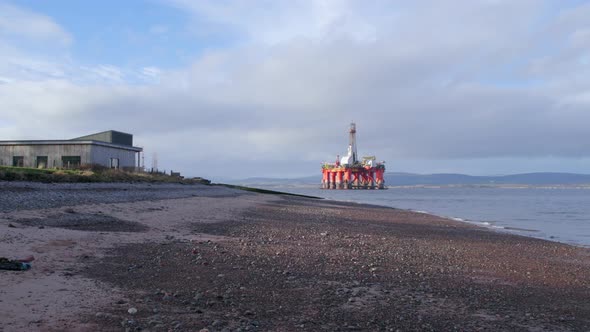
column 132, row 311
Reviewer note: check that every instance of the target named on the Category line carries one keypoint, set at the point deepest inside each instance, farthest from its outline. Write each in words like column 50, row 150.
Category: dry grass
column 88, row 174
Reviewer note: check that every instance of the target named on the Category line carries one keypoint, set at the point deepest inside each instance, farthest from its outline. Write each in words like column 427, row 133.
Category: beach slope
column 210, row 257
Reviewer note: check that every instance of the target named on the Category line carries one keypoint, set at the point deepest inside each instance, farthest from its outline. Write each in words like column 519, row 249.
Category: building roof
column 110, row 138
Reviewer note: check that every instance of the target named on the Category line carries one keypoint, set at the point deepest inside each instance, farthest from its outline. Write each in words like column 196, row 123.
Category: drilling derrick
column 352, row 142
column 350, row 173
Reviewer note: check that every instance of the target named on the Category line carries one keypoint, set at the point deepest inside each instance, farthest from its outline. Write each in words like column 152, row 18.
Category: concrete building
column 111, row 148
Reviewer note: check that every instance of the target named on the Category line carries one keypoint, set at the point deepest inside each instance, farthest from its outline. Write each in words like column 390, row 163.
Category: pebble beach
column 149, row 257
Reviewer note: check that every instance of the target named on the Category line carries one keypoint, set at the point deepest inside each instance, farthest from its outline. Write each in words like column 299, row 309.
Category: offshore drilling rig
column 349, row 172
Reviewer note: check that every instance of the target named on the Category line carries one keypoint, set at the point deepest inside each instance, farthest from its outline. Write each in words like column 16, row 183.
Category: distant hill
column 410, row 179
column 402, row 179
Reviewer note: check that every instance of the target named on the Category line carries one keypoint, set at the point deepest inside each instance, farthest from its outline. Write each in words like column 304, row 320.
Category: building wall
column 53, row 153
column 89, row 154
column 102, row 155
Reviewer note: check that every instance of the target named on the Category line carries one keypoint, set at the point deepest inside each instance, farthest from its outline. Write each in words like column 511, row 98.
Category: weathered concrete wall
column 53, row 153
column 89, row 154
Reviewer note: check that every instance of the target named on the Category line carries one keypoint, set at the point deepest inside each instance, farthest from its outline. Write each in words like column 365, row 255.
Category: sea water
column 561, row 214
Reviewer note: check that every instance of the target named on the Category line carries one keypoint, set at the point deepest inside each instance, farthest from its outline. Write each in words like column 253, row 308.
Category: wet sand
column 278, row 263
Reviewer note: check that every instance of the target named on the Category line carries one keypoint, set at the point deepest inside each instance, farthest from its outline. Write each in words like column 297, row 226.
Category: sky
column 236, row 89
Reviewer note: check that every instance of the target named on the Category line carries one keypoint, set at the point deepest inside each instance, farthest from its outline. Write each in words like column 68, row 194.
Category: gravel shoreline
column 298, row 264
column 236, row 261
column 16, row 196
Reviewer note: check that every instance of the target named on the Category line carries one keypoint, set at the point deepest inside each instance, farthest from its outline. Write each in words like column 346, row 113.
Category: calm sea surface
column 556, row 214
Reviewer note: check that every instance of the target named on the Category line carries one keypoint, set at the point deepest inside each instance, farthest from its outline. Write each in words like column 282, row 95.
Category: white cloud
column 151, row 73
column 19, row 22
column 23, row 34
column 33, row 47
column 462, row 80
column 272, row 22
column 107, row 73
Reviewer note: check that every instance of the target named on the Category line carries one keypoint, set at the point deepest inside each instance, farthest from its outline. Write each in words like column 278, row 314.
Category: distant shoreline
column 397, row 179
column 431, row 186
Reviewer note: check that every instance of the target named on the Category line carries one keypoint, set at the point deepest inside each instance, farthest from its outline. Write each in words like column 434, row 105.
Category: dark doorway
column 71, row 162
column 114, row 163
column 41, row 162
column 18, row 161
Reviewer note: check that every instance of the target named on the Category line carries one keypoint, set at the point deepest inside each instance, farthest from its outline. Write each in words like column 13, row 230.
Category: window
column 71, row 162
column 41, row 162
column 18, row 161
column 114, row 163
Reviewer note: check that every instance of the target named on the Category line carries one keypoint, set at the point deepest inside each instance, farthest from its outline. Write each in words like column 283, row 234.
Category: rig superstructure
column 349, row 172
